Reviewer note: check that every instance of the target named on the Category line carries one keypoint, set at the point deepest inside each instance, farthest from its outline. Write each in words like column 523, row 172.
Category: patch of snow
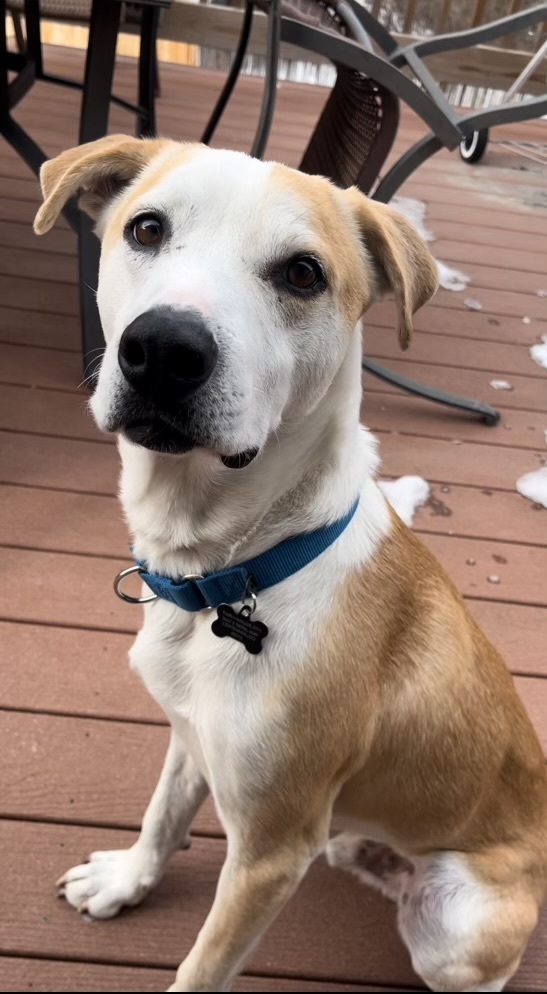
column 539, row 352
column 414, row 211
column 452, row 279
column 527, row 320
column 472, row 304
column 534, row 486
column 541, row 293
column 405, row 495
column 501, row 384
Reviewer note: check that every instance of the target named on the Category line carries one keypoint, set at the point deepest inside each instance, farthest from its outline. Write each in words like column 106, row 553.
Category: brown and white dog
column 230, row 293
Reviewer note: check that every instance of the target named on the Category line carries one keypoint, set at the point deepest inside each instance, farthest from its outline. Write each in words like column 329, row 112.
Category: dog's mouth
column 241, row 460
column 160, row 436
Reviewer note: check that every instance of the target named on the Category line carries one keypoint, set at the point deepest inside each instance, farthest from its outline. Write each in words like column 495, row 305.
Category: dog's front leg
column 121, row 877
column 255, row 883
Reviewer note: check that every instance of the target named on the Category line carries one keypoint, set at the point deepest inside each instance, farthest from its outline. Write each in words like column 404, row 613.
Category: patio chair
column 144, row 20
column 20, row 70
column 356, row 130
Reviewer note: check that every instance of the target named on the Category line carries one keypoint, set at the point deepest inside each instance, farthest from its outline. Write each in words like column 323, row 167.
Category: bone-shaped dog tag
column 239, row 625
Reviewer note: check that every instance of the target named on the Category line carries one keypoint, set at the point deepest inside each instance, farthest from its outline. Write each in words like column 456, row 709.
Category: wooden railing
column 419, row 17
column 216, row 29
column 195, row 32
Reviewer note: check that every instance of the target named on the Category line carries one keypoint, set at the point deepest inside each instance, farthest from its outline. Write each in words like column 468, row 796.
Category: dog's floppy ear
column 99, row 169
column 402, row 261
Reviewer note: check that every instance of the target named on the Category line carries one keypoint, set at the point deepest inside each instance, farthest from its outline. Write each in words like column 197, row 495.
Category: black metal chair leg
column 233, row 75
column 156, row 69
column 146, row 121
column 34, row 35
column 18, row 31
column 488, row 414
column 270, row 81
column 99, row 73
column 4, row 78
column 407, row 164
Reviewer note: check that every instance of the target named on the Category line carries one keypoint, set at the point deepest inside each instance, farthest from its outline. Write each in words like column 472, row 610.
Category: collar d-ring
column 127, row 597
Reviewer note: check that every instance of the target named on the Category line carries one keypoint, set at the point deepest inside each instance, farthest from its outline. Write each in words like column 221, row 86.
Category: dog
column 359, row 697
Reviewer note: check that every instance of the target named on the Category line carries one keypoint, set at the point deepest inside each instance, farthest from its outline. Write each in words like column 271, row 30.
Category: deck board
column 359, row 945
column 20, row 974
column 68, row 700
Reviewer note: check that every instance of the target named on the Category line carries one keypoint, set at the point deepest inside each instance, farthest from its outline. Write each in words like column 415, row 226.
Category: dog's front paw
column 107, row 882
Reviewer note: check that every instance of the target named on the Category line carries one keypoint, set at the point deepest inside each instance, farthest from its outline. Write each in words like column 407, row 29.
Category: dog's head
column 229, row 288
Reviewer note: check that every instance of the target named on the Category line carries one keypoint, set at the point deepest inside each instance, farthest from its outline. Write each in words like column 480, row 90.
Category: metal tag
column 239, row 625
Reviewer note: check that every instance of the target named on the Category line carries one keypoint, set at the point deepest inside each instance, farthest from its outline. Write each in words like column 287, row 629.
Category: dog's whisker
column 92, row 374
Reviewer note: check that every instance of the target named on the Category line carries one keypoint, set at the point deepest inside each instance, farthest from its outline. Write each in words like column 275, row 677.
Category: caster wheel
column 473, row 147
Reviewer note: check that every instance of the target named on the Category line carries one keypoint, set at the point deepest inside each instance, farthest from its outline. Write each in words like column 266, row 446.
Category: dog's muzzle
column 167, row 354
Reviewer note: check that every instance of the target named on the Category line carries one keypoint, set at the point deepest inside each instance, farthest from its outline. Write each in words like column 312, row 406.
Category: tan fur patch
column 427, row 737
column 172, row 155
column 454, row 762
column 403, row 261
column 353, row 284
column 354, row 231
column 98, row 169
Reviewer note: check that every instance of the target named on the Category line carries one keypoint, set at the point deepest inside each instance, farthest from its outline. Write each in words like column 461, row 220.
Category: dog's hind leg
column 372, row 863
column 121, row 877
column 466, row 921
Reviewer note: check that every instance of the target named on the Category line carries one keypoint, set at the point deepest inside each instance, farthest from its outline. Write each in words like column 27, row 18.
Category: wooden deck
column 81, row 743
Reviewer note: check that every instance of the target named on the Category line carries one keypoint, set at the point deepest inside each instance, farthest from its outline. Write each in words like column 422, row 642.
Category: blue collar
column 231, row 585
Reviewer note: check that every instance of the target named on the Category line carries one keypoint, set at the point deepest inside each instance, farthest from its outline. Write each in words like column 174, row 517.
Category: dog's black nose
column 166, row 354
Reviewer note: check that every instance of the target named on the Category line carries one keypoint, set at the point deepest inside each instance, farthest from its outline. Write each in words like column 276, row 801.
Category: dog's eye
column 148, row 231
column 304, row 273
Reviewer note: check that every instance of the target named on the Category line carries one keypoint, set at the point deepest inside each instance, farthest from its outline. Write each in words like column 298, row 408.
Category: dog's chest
column 193, row 674
column 227, row 703
column 222, row 700
column 164, row 656
column 215, row 682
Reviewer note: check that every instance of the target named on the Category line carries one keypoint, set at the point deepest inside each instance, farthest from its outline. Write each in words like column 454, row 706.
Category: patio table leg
column 487, row 413
column 99, row 73
column 148, row 72
column 4, row 87
column 386, row 189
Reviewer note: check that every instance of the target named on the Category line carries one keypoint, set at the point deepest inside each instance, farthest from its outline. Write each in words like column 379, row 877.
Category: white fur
column 445, row 909
column 442, row 908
